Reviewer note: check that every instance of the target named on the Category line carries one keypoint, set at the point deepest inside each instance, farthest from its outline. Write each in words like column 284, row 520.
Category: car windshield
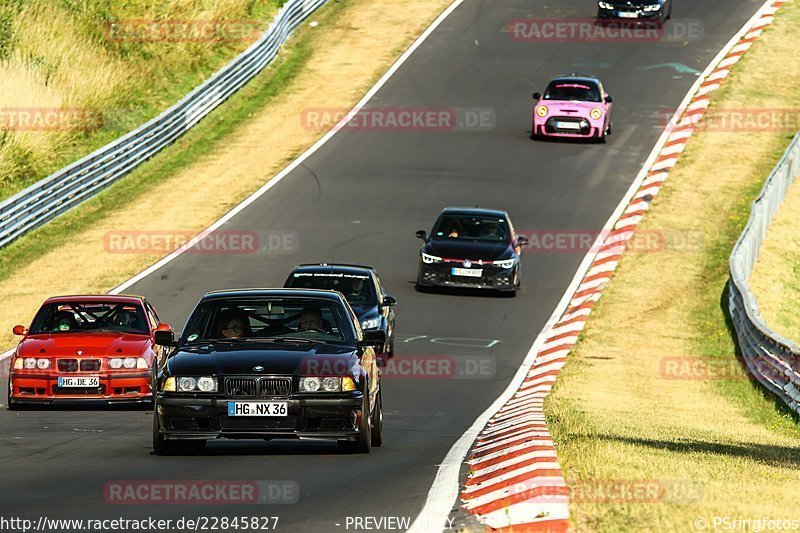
column 269, row 318
column 357, row 288
column 583, row 92
column 88, row 316
column 471, row 227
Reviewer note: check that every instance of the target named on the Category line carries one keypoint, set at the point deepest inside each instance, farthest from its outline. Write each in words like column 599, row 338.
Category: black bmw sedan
column 269, row 364
column 471, row 248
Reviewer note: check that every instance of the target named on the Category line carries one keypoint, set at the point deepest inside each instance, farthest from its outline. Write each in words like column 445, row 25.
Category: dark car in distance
column 363, row 290
column 269, row 364
column 471, row 248
column 653, row 12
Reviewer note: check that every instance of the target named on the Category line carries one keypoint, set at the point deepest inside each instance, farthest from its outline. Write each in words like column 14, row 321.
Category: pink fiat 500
column 572, row 106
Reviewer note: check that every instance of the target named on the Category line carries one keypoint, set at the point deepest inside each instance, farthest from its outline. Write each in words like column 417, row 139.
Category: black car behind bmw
column 364, row 292
column 471, row 248
column 635, row 11
column 267, row 364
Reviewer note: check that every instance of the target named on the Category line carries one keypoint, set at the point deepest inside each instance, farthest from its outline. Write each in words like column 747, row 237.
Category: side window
column 152, row 317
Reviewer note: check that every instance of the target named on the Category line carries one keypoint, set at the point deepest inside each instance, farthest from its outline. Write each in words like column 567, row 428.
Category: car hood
column 364, row 310
column 90, row 344
column 570, row 107
column 455, row 249
column 631, row 3
column 222, row 359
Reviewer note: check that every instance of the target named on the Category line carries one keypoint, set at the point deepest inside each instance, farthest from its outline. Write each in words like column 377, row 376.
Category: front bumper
column 551, row 127
column 309, row 418
column 638, row 16
column 32, row 387
column 441, row 275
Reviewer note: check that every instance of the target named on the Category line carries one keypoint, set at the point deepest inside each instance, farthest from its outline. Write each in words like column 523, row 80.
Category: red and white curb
column 514, row 478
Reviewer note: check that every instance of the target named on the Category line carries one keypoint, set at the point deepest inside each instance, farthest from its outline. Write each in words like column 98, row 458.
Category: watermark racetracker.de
column 393, row 119
column 565, row 241
column 200, row 492
column 740, row 120
column 592, row 30
column 410, row 367
column 617, row 491
column 234, row 242
column 50, row 119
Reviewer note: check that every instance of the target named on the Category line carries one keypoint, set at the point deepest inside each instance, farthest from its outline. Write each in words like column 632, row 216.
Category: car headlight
column 30, row 363
column 129, row 362
column 542, row 110
column 190, row 384
column 652, row 7
column 596, row 113
column 115, row 363
column 605, row 5
column 43, row 364
column 206, row 384
column 186, row 384
column 505, row 263
column 371, row 323
column 428, row 259
column 328, row 384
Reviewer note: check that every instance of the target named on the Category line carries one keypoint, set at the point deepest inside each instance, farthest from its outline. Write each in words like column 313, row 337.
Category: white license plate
column 81, row 382
column 468, row 272
column 258, row 408
column 568, row 125
column 628, row 15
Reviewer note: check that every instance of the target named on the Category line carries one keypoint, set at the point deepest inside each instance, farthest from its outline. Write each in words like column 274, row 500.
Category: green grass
column 197, row 142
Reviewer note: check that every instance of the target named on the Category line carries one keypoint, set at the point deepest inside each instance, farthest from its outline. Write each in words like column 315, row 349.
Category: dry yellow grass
column 776, row 280
column 718, row 448
column 346, row 58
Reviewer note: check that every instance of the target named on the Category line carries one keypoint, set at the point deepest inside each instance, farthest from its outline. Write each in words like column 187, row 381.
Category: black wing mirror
column 389, row 301
column 522, row 241
column 537, row 96
column 609, row 99
column 374, row 337
column 422, row 234
column 164, row 337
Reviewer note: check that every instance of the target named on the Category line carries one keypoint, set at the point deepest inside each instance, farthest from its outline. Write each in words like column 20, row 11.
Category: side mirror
column 537, row 96
column 608, row 99
column 389, row 301
column 164, row 337
column 422, row 234
column 374, row 337
column 522, row 241
column 19, row 330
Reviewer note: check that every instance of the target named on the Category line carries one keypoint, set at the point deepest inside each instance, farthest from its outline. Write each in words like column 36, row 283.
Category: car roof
column 577, row 77
column 276, row 293
column 474, row 211
column 339, row 268
column 111, row 298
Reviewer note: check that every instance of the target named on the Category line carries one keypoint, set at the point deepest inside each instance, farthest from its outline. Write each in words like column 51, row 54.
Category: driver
column 125, row 319
column 310, row 320
column 231, row 326
column 355, row 289
column 63, row 321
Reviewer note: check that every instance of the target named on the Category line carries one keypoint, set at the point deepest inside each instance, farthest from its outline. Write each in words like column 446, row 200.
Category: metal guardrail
column 79, row 181
column 771, row 358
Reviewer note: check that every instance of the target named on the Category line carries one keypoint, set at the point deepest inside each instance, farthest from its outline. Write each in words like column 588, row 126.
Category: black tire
column 364, row 442
column 377, row 422
column 12, row 405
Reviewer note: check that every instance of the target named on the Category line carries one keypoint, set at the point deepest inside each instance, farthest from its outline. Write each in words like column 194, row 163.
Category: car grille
column 90, row 365
column 236, row 387
column 274, row 387
column 240, row 387
column 257, row 424
column 551, row 126
column 67, row 365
